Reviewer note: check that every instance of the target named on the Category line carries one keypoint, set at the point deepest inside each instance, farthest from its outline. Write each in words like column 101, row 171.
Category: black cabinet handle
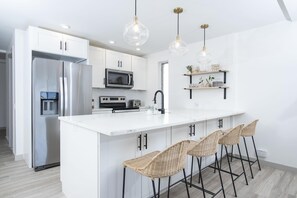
column 65, row 46
column 61, row 45
column 221, row 123
column 139, row 142
column 194, row 130
column 118, row 63
column 145, row 141
column 191, row 130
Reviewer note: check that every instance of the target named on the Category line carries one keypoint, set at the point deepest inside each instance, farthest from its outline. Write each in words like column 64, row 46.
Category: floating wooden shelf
column 201, row 88
column 206, row 72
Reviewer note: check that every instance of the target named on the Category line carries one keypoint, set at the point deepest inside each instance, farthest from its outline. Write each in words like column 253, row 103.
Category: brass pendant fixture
column 204, row 57
column 178, row 46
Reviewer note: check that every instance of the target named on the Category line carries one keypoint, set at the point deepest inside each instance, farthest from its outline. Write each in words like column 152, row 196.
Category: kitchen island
column 93, row 147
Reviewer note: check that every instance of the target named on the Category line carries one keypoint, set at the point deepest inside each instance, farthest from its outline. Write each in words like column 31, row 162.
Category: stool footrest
column 207, row 191
column 246, row 160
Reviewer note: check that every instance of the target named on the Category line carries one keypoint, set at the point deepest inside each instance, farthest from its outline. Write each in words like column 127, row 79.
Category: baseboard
column 273, row 165
column 18, row 157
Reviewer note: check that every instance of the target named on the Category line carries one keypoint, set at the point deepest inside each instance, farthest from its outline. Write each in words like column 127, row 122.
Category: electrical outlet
column 262, row 153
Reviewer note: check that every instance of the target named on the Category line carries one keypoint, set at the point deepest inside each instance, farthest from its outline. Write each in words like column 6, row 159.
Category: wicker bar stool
column 157, row 165
column 205, row 147
column 231, row 138
column 249, row 131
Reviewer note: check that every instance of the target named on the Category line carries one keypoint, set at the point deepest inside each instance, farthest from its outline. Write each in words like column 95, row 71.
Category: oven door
column 118, row 79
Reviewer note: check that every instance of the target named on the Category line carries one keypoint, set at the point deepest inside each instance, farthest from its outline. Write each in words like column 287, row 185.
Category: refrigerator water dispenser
column 49, row 103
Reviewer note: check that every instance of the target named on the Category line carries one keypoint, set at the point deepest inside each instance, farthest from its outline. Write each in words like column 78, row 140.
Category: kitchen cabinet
column 97, row 60
column 139, row 68
column 117, row 60
column 57, row 43
column 191, row 88
column 115, row 150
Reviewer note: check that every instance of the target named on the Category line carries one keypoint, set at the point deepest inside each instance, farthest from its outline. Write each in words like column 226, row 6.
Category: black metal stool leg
column 256, row 152
column 232, row 153
column 222, row 156
column 154, row 188
column 191, row 178
column 159, row 183
column 185, row 178
column 217, row 162
column 169, row 178
column 200, row 174
column 124, row 177
column 248, row 157
column 246, row 181
column 231, row 172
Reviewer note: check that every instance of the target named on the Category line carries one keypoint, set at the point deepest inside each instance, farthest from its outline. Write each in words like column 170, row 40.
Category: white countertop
column 126, row 123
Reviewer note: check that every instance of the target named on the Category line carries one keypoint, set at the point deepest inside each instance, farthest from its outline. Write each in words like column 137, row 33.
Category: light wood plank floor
column 18, row 181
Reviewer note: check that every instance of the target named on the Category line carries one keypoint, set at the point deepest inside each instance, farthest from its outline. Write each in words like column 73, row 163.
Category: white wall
column 2, row 94
column 263, row 66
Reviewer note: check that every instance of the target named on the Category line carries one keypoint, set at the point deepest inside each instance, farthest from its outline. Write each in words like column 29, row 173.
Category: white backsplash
column 130, row 94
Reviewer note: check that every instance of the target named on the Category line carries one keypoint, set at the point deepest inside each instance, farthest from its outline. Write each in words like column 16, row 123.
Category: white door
column 50, row 42
column 117, row 60
column 75, row 47
column 97, row 60
column 139, row 72
column 156, row 140
column 114, row 151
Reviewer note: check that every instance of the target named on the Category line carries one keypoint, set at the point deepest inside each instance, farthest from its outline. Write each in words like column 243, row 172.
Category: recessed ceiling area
column 101, row 21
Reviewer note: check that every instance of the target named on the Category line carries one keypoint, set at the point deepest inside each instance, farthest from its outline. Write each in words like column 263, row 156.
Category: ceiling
column 101, row 21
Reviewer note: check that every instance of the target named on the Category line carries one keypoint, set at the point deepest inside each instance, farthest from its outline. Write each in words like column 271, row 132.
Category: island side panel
column 79, row 161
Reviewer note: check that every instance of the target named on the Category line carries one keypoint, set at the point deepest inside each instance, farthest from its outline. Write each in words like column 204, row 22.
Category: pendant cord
column 178, row 24
column 204, row 39
column 135, row 7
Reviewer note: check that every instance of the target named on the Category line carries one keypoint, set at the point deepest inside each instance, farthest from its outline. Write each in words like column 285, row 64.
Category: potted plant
column 209, row 81
column 190, row 69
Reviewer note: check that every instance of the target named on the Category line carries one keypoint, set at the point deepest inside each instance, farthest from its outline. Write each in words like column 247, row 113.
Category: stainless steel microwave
column 118, row 79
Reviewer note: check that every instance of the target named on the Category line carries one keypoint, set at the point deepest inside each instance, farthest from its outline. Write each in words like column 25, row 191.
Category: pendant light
column 204, row 57
column 135, row 33
column 178, row 46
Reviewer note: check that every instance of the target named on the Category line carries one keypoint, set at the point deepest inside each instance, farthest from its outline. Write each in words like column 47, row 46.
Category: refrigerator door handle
column 61, row 97
column 65, row 95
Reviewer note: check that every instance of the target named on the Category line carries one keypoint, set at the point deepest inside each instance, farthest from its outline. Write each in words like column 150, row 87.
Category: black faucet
column 155, row 101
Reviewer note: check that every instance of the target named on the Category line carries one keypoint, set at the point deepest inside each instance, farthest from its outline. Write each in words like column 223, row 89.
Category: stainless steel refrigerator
column 58, row 89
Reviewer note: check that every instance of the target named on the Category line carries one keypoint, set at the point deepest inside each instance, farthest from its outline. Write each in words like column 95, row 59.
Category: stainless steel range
column 117, row 103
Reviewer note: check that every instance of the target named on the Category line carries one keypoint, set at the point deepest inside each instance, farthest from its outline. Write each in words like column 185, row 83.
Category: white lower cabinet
column 115, row 150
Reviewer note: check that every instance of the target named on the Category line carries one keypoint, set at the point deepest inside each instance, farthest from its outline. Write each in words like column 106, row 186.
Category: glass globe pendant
column 178, row 46
column 135, row 33
column 204, row 57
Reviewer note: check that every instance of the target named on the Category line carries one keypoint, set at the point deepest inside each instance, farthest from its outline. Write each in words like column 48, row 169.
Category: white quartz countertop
column 126, row 123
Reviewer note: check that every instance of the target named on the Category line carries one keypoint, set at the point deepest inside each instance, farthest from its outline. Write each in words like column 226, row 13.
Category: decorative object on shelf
column 196, row 69
column 215, row 67
column 217, row 83
column 190, row 69
column 209, row 81
column 178, row 46
column 135, row 33
column 204, row 57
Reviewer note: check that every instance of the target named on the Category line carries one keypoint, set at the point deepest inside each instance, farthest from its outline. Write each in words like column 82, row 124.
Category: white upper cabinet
column 117, row 60
column 139, row 72
column 56, row 43
column 97, row 60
